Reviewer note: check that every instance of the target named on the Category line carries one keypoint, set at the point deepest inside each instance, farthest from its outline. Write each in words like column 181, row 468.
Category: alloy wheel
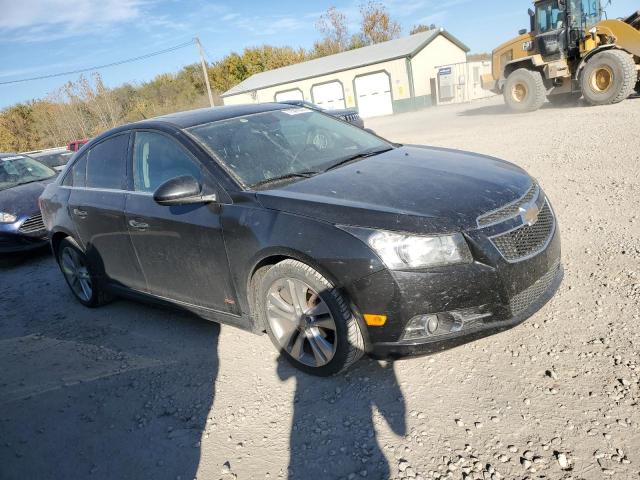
column 301, row 322
column 76, row 272
column 601, row 79
column 519, row 92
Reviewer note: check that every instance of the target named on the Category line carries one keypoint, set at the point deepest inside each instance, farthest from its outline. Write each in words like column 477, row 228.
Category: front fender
column 253, row 235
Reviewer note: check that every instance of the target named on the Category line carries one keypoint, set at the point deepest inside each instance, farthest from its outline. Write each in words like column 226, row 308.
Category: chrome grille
column 33, row 224
column 528, row 240
column 510, row 210
column 520, row 302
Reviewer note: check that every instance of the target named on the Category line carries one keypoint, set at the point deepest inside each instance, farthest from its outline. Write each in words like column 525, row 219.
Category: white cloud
column 47, row 20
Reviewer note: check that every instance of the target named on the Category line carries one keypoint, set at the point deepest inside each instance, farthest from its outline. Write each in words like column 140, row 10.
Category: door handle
column 80, row 213
column 138, row 225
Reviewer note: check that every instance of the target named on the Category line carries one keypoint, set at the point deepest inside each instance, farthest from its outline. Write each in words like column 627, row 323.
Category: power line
column 99, row 67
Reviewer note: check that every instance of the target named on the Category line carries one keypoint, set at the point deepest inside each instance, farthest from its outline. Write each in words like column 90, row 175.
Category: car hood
column 23, row 199
column 410, row 188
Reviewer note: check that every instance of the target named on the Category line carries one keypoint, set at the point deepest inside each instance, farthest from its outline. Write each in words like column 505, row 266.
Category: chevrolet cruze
column 286, row 221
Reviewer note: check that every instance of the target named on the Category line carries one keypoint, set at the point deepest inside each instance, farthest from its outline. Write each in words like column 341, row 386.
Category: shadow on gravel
column 17, row 259
column 120, row 392
column 333, row 436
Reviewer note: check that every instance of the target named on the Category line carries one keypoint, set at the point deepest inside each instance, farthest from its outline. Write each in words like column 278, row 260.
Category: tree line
column 86, row 107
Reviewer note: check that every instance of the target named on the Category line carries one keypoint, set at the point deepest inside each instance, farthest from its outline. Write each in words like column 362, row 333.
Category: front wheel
column 308, row 320
column 77, row 273
column 609, row 77
column 524, row 90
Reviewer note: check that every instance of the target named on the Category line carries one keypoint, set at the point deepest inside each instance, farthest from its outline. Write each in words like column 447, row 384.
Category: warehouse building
column 412, row 72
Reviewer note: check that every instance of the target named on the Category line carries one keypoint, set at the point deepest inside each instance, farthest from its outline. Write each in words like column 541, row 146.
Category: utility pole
column 204, row 71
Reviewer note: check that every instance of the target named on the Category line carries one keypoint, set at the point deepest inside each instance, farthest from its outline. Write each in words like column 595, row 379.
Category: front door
column 96, row 204
column 180, row 248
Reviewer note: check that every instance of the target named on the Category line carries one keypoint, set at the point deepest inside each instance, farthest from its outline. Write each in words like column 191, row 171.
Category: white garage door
column 374, row 95
column 289, row 95
column 329, row 96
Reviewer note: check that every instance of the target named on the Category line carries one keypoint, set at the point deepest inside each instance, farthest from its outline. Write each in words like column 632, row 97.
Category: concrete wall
column 397, row 69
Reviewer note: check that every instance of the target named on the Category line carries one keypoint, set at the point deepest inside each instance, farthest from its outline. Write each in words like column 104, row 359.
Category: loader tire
column 524, row 90
column 609, row 77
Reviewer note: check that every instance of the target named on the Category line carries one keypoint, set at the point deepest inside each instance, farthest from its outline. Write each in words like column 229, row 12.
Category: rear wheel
column 77, row 272
column 309, row 320
column 524, row 90
column 609, row 77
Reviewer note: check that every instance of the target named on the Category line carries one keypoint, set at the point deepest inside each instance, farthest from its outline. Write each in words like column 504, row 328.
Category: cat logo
column 528, row 45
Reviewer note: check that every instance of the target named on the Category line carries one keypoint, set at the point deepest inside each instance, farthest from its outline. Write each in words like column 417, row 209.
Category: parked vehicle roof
column 206, row 115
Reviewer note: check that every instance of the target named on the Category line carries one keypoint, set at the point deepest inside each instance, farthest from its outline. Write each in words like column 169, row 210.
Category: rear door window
column 107, row 163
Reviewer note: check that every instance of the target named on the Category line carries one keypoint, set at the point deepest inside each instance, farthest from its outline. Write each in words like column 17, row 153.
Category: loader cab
column 550, row 28
column 560, row 25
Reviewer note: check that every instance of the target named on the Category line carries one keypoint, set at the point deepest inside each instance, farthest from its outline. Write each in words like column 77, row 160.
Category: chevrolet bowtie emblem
column 529, row 214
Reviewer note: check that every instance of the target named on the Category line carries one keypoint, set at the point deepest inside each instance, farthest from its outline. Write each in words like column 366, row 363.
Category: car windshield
column 284, row 144
column 18, row 170
column 55, row 159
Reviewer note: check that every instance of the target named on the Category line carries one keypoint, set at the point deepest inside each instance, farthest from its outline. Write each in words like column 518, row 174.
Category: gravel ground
column 132, row 391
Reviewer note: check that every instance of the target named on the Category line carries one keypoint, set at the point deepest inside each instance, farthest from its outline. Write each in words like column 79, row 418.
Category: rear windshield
column 55, row 159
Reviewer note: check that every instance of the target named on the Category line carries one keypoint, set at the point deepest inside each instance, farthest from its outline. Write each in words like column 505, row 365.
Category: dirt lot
column 130, row 391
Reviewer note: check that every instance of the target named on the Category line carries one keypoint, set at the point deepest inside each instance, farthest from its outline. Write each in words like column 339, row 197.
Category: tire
column 564, row 99
column 77, row 272
column 524, row 90
column 320, row 336
column 609, row 77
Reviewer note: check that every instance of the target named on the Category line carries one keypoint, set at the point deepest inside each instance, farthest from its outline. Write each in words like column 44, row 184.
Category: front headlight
column 401, row 251
column 7, row 217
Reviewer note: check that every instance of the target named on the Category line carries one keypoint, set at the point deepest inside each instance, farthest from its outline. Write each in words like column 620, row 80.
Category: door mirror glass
column 185, row 190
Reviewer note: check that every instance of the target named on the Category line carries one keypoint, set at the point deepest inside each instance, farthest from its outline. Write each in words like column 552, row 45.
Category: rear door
column 97, row 203
column 181, row 248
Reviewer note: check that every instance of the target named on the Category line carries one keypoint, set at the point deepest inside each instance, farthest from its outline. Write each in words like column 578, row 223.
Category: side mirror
column 522, row 31
column 184, row 190
column 532, row 13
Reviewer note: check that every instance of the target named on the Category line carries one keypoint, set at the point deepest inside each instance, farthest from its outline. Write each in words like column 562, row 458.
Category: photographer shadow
column 333, row 432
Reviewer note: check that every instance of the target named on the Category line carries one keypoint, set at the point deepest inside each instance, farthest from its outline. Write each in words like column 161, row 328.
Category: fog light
column 445, row 323
column 432, row 324
column 420, row 327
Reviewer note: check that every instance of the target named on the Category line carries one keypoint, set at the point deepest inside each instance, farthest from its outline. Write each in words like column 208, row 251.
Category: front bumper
column 13, row 240
column 510, row 291
column 428, row 346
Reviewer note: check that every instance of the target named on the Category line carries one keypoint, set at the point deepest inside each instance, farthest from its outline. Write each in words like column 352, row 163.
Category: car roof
column 207, row 115
column 8, row 154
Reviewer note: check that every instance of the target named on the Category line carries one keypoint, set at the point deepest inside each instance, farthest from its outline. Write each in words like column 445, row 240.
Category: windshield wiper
column 358, row 156
column 287, row 176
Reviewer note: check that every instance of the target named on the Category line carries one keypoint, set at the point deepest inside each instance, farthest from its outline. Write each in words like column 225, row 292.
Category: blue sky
column 39, row 37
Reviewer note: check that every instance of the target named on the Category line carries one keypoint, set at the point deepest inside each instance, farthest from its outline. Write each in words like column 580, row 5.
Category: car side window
column 107, row 163
column 77, row 176
column 158, row 158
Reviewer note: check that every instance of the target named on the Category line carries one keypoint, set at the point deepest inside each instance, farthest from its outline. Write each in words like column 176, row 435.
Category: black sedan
column 22, row 181
column 287, row 221
column 350, row 115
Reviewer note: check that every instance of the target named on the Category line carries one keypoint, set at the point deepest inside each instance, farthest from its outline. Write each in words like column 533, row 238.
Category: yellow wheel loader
column 571, row 51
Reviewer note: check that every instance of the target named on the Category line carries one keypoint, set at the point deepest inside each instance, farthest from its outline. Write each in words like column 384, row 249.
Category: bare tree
column 376, row 24
column 332, row 25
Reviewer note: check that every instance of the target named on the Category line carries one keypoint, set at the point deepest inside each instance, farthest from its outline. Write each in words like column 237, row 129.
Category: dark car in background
column 334, row 248
column 55, row 158
column 22, row 181
column 350, row 115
